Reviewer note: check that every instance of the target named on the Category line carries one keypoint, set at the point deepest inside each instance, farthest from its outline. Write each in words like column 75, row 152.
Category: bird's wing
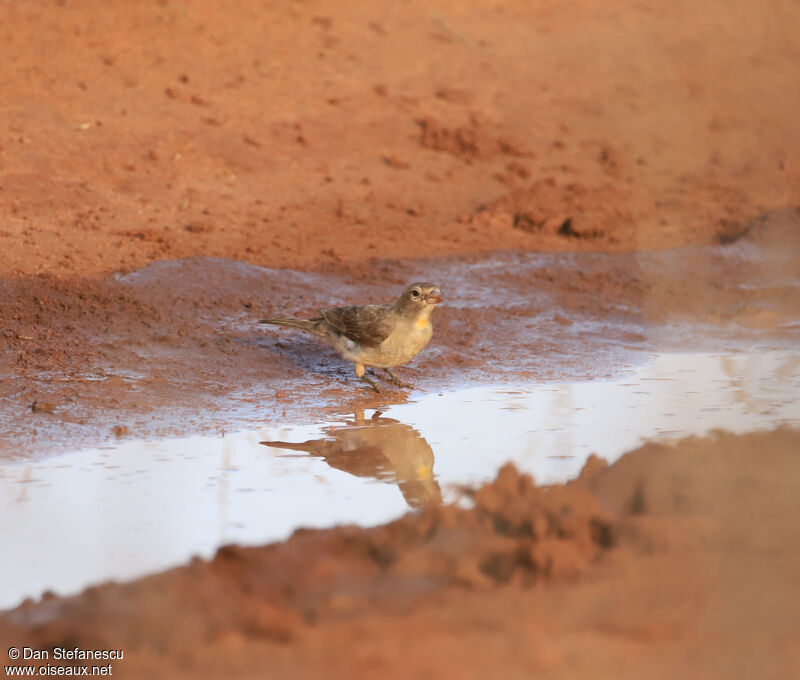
column 368, row 325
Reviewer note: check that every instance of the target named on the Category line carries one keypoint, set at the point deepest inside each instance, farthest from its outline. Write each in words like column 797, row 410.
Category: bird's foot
column 392, row 378
column 371, row 383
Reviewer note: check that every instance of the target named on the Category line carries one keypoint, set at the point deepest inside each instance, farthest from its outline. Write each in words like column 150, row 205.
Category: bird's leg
column 360, row 373
column 371, row 383
column 395, row 380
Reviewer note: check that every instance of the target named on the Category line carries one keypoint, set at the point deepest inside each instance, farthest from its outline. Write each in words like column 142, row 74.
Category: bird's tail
column 302, row 324
column 287, row 445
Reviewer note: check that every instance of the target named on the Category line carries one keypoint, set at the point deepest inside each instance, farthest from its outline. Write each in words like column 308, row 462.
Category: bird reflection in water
column 380, row 448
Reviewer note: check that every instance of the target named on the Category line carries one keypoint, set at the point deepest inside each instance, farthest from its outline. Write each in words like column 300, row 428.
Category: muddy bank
column 678, row 560
column 145, row 353
column 301, row 137
column 151, row 350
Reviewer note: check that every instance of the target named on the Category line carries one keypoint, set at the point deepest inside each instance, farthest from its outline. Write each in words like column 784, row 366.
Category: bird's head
column 419, row 298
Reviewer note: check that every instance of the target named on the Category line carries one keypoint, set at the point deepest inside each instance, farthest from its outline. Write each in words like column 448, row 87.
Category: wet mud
column 143, row 353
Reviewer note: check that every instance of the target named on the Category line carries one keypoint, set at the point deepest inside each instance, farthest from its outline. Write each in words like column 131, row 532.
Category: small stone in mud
column 568, row 229
column 394, row 162
column 195, row 228
column 120, row 430
column 43, row 407
column 731, row 231
column 525, row 222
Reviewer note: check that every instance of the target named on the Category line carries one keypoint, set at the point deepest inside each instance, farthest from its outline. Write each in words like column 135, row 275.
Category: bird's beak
column 434, row 297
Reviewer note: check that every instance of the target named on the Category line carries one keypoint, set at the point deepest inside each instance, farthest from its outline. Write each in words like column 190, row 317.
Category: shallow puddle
column 142, row 506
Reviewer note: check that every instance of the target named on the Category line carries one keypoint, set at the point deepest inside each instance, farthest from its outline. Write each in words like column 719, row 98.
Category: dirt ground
column 305, row 135
column 171, row 172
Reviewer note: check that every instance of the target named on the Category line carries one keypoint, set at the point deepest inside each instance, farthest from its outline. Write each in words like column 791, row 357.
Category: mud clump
column 120, row 431
column 516, row 532
column 551, row 532
column 571, row 210
column 43, row 407
column 470, row 141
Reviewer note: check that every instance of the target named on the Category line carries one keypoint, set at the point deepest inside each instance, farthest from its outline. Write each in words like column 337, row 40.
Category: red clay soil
column 306, row 134
column 679, row 561
column 347, row 147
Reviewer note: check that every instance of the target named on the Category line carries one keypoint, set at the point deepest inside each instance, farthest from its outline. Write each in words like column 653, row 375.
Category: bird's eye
column 415, row 293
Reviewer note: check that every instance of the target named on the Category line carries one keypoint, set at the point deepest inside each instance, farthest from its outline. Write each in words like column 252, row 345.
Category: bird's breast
column 407, row 340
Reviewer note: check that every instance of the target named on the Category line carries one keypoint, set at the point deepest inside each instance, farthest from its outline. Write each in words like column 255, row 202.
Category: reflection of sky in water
column 140, row 506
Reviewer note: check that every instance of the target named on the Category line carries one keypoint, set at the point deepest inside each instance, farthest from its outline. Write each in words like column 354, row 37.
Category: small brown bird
column 379, row 448
column 378, row 336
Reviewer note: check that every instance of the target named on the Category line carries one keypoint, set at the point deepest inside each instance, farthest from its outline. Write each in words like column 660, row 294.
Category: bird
column 377, row 448
column 375, row 336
